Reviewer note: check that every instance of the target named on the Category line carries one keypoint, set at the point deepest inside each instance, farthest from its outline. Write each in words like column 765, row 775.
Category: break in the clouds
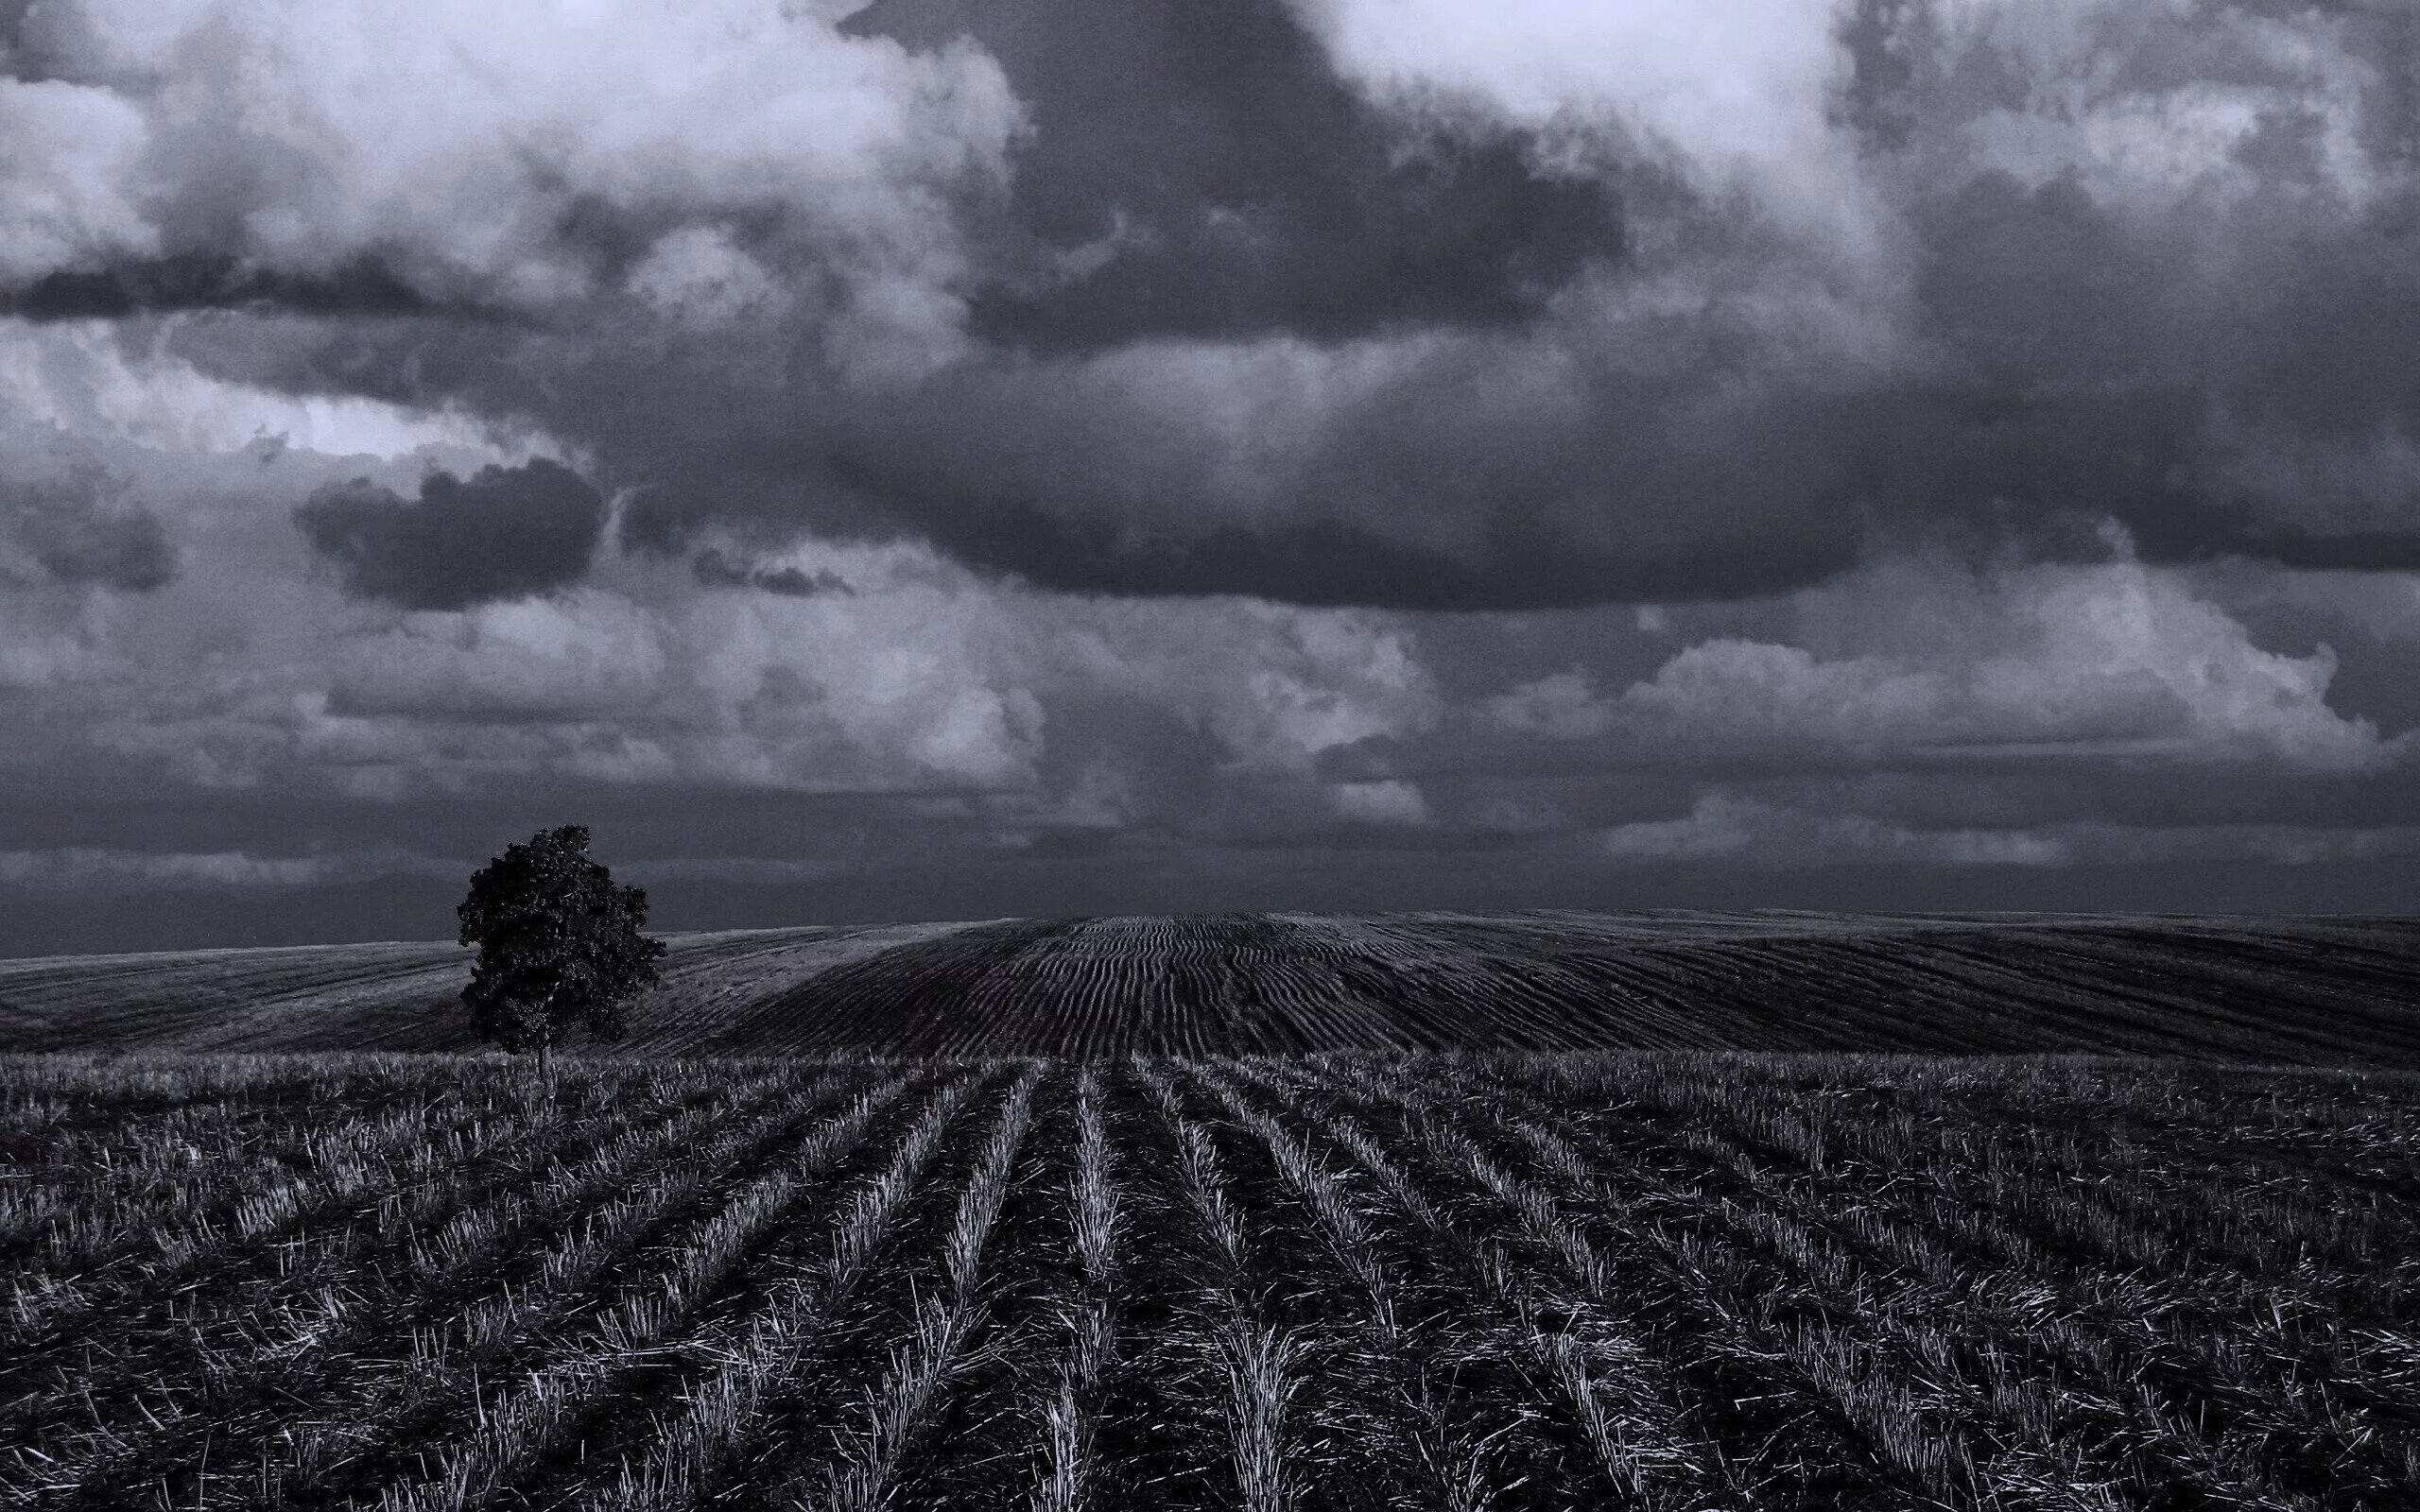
column 1082, row 450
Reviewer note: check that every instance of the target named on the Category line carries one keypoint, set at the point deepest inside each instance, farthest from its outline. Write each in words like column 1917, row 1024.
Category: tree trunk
column 546, row 1034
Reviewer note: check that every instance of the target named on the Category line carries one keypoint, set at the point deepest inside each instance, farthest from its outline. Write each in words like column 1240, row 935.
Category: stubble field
column 1356, row 1281
column 1145, row 1213
column 2311, row 991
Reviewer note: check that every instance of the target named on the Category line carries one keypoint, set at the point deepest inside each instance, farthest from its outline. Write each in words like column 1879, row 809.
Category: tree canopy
column 560, row 946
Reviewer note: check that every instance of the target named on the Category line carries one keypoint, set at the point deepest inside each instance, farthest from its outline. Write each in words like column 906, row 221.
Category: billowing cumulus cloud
column 1130, row 445
column 1731, row 96
column 2114, row 660
column 350, row 156
column 919, row 679
column 1933, row 262
column 1333, row 304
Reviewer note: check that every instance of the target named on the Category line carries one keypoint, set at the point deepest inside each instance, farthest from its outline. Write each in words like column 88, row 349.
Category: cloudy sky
column 930, row 458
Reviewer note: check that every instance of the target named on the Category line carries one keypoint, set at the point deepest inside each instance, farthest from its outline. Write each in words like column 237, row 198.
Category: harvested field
column 1352, row 1282
column 2313, row 991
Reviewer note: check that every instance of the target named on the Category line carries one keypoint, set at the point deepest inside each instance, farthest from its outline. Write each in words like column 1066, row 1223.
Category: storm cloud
column 1308, row 304
column 203, row 281
column 715, row 568
column 69, row 530
column 1166, row 449
column 502, row 533
column 1208, row 174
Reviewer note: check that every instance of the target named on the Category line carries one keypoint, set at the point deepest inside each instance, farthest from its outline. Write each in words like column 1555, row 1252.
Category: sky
column 937, row 459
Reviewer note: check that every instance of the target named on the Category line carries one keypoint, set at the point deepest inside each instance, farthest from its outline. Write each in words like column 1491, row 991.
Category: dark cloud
column 1874, row 33
column 1459, row 453
column 1202, row 171
column 2066, row 352
column 2036, row 288
column 1232, row 322
column 210, row 280
column 503, row 533
column 2352, row 551
column 73, row 531
column 715, row 568
column 1333, row 563
column 125, row 549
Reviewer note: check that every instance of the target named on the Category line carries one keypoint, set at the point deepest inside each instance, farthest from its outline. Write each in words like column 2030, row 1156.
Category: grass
column 1381, row 1281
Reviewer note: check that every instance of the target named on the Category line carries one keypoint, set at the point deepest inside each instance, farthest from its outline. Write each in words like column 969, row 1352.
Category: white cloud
column 1338, row 679
column 2167, row 139
column 48, row 642
column 82, row 379
column 2117, row 659
column 1722, row 828
column 1384, row 802
column 68, row 154
column 1737, row 95
column 698, row 276
column 919, row 678
column 462, row 142
column 73, row 868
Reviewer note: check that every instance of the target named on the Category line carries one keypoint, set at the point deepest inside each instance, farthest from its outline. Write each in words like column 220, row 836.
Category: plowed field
column 2304, row 991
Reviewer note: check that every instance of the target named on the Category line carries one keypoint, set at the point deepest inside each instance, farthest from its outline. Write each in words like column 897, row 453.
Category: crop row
column 2305, row 991
column 1329, row 1282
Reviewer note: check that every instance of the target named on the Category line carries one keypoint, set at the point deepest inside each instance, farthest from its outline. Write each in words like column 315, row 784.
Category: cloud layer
column 64, row 529
column 1926, row 661
column 1336, row 303
column 1111, row 441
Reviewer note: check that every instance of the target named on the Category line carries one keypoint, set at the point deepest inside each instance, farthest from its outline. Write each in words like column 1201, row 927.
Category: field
column 2313, row 991
column 1356, row 1281
column 1277, row 1212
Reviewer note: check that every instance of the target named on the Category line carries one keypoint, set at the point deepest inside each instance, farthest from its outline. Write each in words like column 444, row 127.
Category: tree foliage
column 560, row 947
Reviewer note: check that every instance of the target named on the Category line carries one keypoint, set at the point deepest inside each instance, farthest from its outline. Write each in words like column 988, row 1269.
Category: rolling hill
column 2310, row 991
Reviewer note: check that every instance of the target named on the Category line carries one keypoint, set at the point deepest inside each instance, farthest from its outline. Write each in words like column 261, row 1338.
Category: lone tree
column 560, row 947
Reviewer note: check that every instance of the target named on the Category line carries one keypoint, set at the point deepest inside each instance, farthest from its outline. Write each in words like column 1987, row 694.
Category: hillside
column 2305, row 989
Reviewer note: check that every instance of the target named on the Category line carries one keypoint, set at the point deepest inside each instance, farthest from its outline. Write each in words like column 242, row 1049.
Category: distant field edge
column 2309, row 989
